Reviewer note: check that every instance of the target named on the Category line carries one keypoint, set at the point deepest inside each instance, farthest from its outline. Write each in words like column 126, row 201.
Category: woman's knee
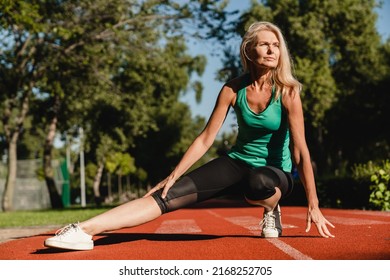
column 267, row 202
column 261, row 185
column 181, row 194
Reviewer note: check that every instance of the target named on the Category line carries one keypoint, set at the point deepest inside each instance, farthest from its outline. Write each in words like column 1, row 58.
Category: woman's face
column 265, row 53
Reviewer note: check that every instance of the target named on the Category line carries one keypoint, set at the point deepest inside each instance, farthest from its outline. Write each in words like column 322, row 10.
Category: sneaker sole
column 276, row 235
column 69, row 246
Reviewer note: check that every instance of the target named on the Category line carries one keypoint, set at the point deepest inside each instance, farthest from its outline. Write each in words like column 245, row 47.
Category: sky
column 211, row 86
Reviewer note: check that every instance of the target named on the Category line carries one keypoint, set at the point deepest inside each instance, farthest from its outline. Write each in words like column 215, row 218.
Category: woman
column 269, row 113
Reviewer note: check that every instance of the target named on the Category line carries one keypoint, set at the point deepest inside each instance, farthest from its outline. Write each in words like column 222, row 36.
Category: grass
column 47, row 217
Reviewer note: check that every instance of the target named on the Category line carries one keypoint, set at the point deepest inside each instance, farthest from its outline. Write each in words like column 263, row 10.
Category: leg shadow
column 117, row 238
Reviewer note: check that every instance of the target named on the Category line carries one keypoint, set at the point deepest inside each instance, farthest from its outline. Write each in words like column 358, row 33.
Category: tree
column 19, row 71
column 57, row 53
column 359, row 121
column 121, row 164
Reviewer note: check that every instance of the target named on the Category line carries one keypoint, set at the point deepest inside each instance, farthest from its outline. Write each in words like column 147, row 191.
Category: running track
column 223, row 230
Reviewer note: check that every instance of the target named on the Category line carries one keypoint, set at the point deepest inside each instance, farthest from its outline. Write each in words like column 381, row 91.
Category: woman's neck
column 262, row 78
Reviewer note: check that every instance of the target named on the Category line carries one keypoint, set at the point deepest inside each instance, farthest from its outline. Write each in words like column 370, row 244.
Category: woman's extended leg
column 79, row 236
column 130, row 214
column 197, row 186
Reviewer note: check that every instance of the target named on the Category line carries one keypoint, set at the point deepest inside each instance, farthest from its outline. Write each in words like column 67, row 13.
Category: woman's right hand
column 165, row 184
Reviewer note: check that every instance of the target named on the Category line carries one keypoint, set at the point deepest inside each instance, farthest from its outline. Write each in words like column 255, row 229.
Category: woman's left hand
column 315, row 216
column 165, row 184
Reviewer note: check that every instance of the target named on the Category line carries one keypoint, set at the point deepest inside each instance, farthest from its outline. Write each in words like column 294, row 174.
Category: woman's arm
column 301, row 156
column 203, row 142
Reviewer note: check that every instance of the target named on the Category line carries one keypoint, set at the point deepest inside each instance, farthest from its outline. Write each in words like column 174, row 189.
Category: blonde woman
column 266, row 100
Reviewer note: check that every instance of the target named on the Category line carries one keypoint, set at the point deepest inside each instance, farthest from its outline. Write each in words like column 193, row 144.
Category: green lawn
column 47, row 217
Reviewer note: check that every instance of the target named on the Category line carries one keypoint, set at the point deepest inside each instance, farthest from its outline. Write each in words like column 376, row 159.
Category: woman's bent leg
column 270, row 203
column 266, row 186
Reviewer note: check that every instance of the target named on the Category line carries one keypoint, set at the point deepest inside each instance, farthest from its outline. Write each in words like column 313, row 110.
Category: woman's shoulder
column 291, row 98
column 237, row 83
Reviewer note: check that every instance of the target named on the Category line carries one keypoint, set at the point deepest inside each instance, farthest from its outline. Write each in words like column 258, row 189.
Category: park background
column 100, row 100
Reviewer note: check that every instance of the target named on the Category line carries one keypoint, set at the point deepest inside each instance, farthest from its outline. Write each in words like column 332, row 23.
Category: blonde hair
column 282, row 76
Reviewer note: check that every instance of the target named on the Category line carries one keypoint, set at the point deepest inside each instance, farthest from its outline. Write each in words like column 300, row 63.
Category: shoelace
column 65, row 229
column 268, row 220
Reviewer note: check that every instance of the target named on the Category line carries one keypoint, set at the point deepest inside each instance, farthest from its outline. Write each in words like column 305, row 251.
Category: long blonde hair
column 282, row 76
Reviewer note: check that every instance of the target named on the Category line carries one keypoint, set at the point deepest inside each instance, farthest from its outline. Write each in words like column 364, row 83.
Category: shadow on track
column 116, row 238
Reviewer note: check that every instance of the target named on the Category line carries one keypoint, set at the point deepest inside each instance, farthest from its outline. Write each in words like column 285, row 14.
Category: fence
column 30, row 192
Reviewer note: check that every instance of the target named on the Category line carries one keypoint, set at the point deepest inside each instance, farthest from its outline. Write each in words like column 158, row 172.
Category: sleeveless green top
column 263, row 139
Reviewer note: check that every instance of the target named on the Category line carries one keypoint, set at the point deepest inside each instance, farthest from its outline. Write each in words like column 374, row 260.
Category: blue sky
column 212, row 87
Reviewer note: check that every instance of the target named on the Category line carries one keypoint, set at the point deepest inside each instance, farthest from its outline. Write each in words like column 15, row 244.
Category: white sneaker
column 268, row 225
column 70, row 237
column 278, row 220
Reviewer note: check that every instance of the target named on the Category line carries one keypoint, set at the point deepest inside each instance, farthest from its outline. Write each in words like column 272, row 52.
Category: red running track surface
column 226, row 231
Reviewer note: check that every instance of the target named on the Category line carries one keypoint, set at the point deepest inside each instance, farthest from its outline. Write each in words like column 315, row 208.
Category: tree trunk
column 321, row 167
column 12, row 136
column 96, row 184
column 55, row 198
column 120, row 190
column 109, row 186
column 128, row 186
column 11, row 176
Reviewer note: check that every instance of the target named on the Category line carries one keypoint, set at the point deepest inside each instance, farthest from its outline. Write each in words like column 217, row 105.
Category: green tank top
column 263, row 139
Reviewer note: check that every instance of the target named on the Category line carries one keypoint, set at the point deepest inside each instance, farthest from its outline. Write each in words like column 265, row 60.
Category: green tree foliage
column 106, row 66
column 378, row 176
column 117, row 69
column 18, row 74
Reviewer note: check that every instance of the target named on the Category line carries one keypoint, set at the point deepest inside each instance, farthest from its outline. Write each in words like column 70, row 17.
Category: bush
column 335, row 192
column 378, row 175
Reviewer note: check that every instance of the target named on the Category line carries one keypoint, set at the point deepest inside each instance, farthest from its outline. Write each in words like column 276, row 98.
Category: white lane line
column 211, row 212
column 354, row 221
column 252, row 224
column 249, row 222
column 344, row 220
column 178, row 226
column 291, row 251
column 368, row 213
column 254, row 220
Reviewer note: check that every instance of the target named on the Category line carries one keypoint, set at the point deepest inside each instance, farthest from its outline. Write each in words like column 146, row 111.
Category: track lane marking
column 252, row 224
column 178, row 226
column 368, row 213
column 291, row 251
column 345, row 220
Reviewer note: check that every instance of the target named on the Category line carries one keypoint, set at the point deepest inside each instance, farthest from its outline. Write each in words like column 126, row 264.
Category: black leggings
column 220, row 176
